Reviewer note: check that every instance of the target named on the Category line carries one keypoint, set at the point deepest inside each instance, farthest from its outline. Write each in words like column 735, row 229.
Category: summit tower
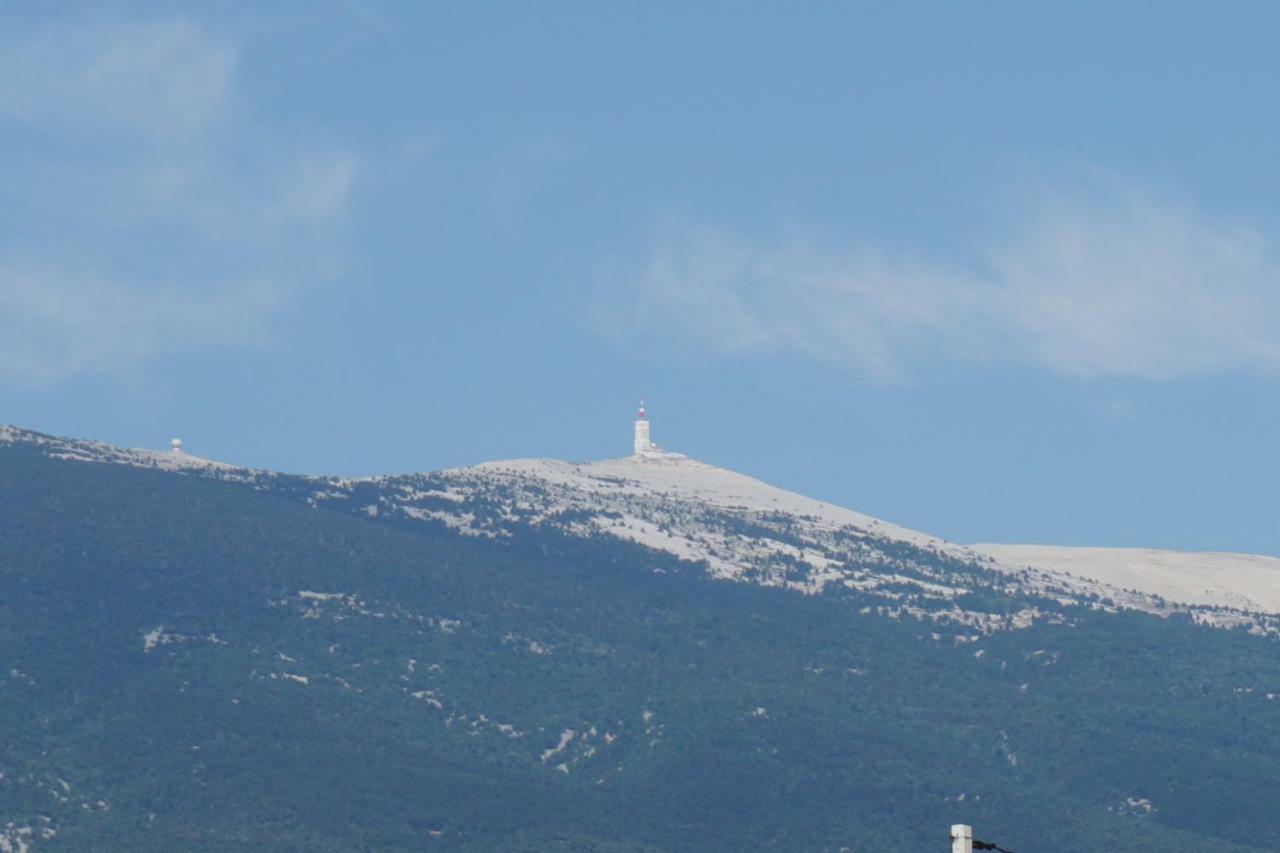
column 643, row 443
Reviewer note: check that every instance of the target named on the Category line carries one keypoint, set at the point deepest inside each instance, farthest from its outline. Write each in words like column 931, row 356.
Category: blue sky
column 997, row 272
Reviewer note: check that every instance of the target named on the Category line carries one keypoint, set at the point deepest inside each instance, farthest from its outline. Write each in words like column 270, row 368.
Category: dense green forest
column 196, row 665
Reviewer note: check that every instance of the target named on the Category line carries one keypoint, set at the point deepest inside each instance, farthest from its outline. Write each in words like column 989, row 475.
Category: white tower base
column 643, row 443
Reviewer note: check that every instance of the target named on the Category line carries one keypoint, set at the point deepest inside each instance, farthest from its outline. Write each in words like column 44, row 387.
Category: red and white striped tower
column 643, row 444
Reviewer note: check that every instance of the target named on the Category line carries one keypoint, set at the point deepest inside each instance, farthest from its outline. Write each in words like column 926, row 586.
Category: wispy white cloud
column 1108, row 282
column 159, row 79
column 151, row 211
column 1132, row 285
column 55, row 324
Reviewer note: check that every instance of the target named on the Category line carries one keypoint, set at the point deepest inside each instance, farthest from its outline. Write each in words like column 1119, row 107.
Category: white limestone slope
column 740, row 528
column 743, row 530
column 681, row 478
column 746, row 530
column 676, row 504
column 1214, row 579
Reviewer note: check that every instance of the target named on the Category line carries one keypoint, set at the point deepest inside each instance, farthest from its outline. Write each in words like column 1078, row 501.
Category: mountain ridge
column 742, row 528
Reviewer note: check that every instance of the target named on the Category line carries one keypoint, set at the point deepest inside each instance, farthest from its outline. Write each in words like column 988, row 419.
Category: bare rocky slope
column 1247, row 582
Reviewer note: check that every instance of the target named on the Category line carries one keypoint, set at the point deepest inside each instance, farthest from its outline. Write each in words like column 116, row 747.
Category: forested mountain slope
column 190, row 663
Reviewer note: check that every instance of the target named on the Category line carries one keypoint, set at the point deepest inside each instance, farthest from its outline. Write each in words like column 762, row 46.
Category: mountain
column 640, row 654
column 744, row 530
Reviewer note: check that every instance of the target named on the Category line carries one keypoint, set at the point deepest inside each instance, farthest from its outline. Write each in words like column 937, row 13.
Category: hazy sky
column 992, row 271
